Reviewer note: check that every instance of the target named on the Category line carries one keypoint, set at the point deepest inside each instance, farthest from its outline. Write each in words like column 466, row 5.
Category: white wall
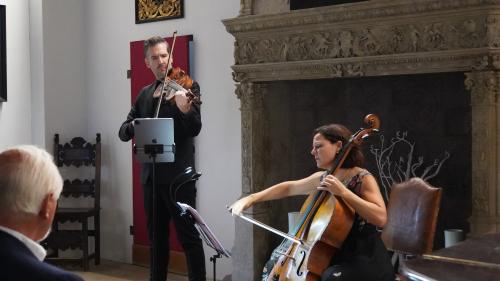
column 45, row 72
column 37, row 73
column 110, row 28
column 64, row 85
column 219, row 144
column 15, row 114
column 67, row 61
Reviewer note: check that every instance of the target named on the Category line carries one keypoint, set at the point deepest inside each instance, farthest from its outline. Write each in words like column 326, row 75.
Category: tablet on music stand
column 154, row 135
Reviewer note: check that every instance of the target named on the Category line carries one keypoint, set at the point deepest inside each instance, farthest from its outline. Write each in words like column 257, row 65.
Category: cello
column 325, row 221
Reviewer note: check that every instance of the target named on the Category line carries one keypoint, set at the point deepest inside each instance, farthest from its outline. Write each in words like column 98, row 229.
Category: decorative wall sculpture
column 156, row 10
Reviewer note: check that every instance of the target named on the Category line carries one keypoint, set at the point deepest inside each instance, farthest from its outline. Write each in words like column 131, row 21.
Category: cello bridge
column 284, row 254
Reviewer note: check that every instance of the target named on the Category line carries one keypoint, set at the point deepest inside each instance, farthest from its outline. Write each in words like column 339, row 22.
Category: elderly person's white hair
column 27, row 175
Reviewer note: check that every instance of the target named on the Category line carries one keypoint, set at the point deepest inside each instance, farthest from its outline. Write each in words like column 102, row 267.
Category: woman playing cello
column 363, row 255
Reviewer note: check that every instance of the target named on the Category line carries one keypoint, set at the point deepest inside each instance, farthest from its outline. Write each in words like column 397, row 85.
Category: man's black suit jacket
column 186, row 126
column 18, row 263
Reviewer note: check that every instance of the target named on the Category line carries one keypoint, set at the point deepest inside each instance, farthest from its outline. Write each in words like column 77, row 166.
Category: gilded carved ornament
column 152, row 10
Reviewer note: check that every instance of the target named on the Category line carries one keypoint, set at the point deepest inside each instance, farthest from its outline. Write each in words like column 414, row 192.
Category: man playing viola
column 187, row 125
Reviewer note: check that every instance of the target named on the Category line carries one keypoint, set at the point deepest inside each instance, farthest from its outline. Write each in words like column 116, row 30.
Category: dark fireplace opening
column 432, row 110
column 301, row 4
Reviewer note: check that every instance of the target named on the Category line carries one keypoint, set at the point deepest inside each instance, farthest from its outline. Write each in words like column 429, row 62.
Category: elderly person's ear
column 48, row 207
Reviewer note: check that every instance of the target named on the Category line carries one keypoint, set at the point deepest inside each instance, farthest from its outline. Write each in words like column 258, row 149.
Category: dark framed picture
column 3, row 56
column 156, row 10
column 304, row 4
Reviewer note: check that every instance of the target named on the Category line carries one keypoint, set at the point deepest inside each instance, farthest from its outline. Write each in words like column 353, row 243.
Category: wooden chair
column 78, row 154
column 411, row 219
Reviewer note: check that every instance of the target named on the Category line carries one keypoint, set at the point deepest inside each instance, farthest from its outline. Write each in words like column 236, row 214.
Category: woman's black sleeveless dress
column 363, row 256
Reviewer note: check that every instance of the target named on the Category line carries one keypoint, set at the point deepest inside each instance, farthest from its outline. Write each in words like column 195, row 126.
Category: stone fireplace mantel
column 367, row 39
column 372, row 38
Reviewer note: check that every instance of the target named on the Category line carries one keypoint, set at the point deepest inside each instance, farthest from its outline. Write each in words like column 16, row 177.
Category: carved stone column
column 245, row 7
column 250, row 245
column 485, row 87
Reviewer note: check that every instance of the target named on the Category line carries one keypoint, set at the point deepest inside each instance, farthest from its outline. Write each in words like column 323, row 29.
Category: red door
column 140, row 77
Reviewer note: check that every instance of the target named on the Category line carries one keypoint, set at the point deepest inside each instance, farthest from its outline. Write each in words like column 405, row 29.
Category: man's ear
column 146, row 61
column 48, row 207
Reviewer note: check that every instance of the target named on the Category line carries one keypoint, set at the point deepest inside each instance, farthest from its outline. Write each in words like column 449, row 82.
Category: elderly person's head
column 30, row 185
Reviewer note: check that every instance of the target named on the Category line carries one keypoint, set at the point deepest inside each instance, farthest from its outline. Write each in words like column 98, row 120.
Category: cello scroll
column 373, row 123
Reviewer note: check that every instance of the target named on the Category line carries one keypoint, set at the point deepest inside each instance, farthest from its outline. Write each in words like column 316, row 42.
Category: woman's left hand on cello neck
column 370, row 205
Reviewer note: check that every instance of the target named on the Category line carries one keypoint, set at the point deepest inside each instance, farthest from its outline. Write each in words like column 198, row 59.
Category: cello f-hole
column 299, row 272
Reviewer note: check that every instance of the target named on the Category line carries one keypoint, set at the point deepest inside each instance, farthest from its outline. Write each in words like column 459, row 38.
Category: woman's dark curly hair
column 337, row 132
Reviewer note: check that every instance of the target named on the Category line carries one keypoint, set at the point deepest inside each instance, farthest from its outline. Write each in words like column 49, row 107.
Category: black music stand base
column 155, row 265
column 214, row 260
column 152, row 135
column 153, row 150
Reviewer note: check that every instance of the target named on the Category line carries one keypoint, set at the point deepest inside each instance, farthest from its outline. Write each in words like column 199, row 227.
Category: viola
column 180, row 77
column 178, row 80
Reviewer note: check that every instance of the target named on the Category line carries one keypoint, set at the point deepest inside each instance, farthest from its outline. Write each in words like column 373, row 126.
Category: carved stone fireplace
column 282, row 58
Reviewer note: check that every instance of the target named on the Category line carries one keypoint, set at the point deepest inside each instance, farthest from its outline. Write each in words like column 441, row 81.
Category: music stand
column 205, row 232
column 154, row 143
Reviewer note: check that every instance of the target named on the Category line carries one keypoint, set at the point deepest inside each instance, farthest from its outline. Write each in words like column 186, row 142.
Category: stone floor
column 114, row 271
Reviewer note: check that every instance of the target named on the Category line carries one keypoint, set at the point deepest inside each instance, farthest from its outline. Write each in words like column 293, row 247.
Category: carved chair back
column 80, row 155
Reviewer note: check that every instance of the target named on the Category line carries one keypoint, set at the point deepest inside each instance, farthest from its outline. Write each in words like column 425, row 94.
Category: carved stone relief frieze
column 493, row 30
column 372, row 66
column 362, row 41
column 495, row 61
column 370, row 10
column 276, row 72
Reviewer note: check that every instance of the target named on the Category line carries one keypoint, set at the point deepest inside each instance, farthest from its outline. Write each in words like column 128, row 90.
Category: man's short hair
column 27, row 175
column 153, row 41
